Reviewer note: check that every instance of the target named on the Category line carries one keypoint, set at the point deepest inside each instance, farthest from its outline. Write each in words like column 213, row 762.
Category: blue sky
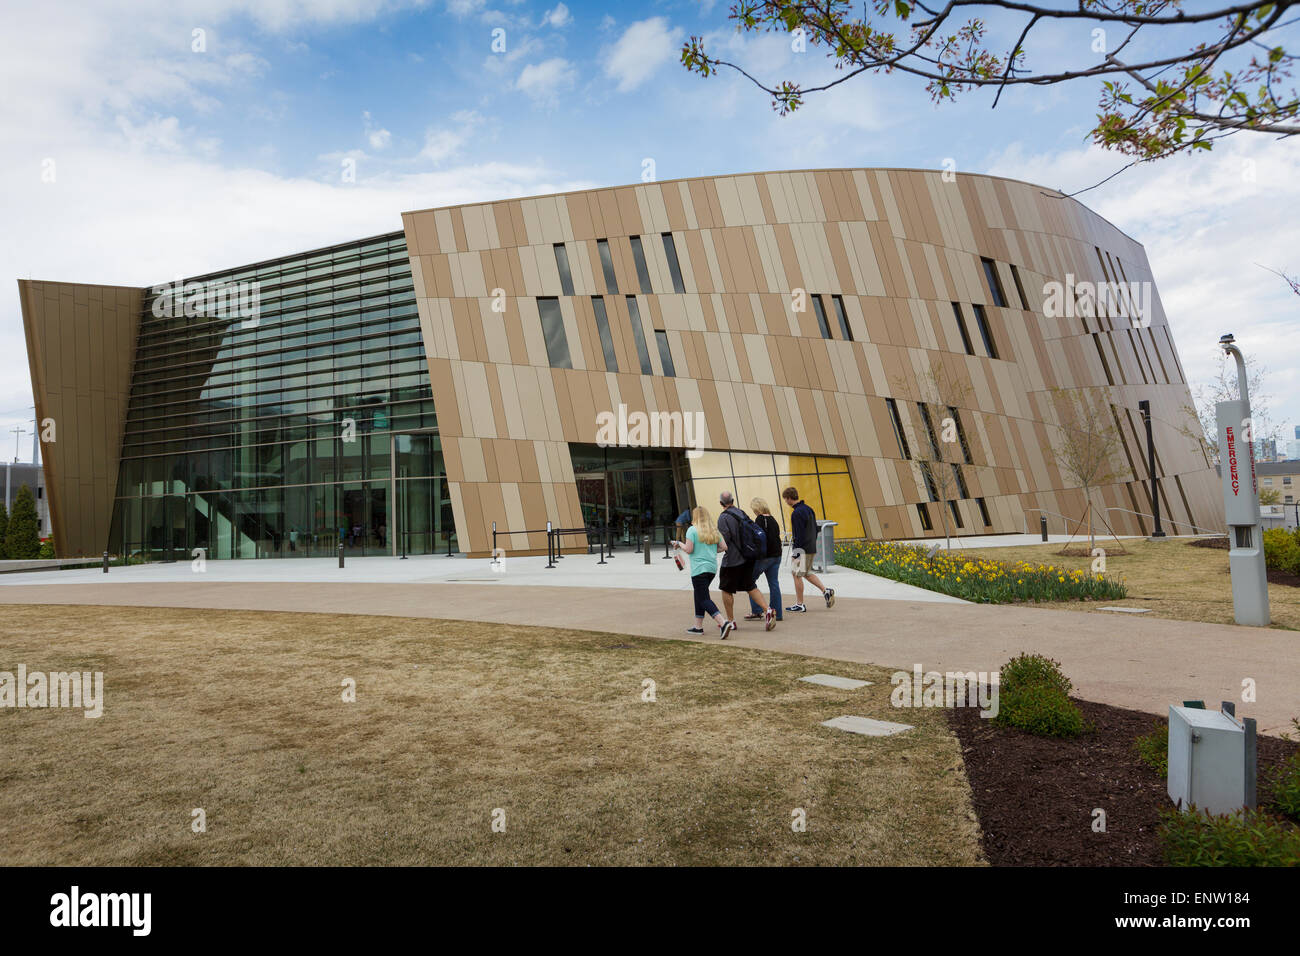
column 174, row 161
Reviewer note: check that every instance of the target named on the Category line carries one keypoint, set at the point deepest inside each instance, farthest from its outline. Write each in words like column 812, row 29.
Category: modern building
column 1266, row 449
column 610, row 356
column 19, row 473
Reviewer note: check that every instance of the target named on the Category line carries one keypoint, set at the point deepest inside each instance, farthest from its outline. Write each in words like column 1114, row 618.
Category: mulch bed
column 1035, row 795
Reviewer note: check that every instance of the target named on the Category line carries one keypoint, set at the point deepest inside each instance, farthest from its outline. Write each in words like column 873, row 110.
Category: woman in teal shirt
column 703, row 544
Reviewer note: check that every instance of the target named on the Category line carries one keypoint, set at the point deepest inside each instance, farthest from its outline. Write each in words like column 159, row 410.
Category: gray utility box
column 824, row 559
column 1211, row 759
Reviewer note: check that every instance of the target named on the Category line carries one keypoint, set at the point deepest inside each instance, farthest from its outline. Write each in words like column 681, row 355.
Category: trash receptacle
column 824, row 559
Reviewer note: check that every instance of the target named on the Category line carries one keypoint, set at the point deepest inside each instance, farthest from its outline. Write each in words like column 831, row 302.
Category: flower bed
column 981, row 580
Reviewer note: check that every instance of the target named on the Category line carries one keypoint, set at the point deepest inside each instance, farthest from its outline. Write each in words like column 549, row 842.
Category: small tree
column 23, row 536
column 1088, row 445
column 4, row 527
column 1270, row 496
column 1201, row 423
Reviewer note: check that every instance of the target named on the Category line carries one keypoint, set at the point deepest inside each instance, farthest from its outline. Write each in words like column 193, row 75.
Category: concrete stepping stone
column 866, row 725
column 830, row 680
column 1127, row 610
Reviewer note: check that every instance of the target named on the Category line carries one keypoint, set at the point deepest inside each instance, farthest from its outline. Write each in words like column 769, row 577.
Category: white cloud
column 558, row 17
column 644, row 47
column 444, row 142
column 377, row 137
column 544, row 81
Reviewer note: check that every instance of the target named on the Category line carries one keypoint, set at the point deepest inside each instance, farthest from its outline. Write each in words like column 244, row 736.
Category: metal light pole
column 1241, row 502
column 1145, row 407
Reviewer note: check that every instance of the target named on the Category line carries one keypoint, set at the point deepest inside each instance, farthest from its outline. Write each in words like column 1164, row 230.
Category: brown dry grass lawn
column 1171, row 577
column 241, row 714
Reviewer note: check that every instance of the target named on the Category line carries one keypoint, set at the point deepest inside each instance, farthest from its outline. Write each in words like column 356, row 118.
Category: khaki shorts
column 800, row 562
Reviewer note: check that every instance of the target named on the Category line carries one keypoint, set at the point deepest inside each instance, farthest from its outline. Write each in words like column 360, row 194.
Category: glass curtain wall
column 632, row 490
column 264, row 407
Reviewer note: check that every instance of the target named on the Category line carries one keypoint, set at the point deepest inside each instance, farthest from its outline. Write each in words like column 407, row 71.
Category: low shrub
column 1039, row 709
column 47, row 549
column 1282, row 550
column 1153, row 748
column 1285, row 784
column 1245, row 838
column 1030, row 669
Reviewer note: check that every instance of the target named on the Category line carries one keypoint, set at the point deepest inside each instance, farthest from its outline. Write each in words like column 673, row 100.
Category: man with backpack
column 803, row 544
column 746, row 543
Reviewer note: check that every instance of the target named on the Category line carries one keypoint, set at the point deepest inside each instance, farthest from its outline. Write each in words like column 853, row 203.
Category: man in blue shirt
column 803, row 545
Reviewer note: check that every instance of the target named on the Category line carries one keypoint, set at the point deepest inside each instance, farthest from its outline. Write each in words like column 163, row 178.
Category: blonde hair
column 759, row 506
column 705, row 529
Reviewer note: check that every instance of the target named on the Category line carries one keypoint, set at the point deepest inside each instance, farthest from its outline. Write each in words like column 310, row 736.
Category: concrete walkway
column 626, row 570
column 1141, row 663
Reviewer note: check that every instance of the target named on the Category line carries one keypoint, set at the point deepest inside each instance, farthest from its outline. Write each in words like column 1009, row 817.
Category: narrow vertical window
column 638, row 335
column 821, row 317
column 931, row 488
column 995, row 284
column 924, row 514
column 557, row 343
column 642, row 273
column 985, row 333
column 961, row 327
column 843, row 317
column 1096, row 340
column 898, row 428
column 607, row 266
column 562, row 264
column 984, row 513
column 665, row 353
column 1020, row 288
column 606, row 340
column 674, row 268
column 956, row 514
column 962, row 490
column 961, row 435
column 929, row 429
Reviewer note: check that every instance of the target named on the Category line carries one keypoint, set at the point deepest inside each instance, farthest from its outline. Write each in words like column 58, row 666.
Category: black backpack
column 753, row 540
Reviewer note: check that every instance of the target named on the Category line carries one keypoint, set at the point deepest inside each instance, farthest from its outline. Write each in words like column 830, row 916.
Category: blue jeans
column 771, row 567
column 704, row 606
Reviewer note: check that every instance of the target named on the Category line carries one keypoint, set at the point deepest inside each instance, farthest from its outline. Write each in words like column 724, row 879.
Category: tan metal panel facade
column 898, row 246
column 80, row 347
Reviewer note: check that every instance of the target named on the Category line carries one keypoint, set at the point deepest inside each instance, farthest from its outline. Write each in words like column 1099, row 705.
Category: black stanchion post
column 668, row 541
column 550, row 546
column 1042, row 525
column 105, row 562
column 494, row 539
column 647, row 549
column 404, row 534
column 340, row 554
